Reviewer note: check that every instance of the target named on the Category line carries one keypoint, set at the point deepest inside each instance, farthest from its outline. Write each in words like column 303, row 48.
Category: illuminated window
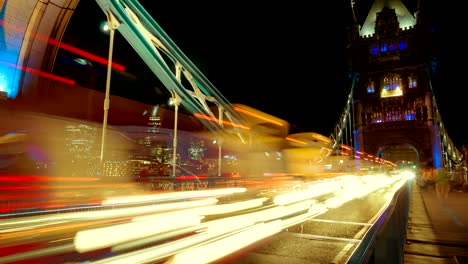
column 410, row 116
column 391, row 86
column 384, row 47
column 374, row 50
column 370, row 87
column 393, row 116
column 412, row 82
column 402, row 44
column 377, row 119
column 393, row 46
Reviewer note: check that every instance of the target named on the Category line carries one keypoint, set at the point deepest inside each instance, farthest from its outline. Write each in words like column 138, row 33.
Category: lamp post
column 112, row 24
column 175, row 100
column 220, row 141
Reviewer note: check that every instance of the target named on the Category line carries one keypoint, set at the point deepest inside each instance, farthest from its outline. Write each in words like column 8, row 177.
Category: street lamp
column 220, row 140
column 175, row 100
column 112, row 24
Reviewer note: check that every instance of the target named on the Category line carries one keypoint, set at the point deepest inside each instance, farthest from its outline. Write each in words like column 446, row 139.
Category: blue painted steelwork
column 436, row 146
column 9, row 52
column 451, row 155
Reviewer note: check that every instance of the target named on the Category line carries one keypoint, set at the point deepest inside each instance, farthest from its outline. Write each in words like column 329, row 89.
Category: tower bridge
column 391, row 113
column 391, row 101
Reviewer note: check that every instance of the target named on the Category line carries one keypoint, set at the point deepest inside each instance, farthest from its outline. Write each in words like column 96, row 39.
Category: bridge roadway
column 436, row 231
column 331, row 237
column 326, row 227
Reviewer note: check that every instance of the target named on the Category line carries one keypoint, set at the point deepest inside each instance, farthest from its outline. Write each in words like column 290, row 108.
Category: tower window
column 374, row 50
column 410, row 116
column 392, row 86
column 402, row 44
column 384, row 47
column 370, row 87
column 412, row 82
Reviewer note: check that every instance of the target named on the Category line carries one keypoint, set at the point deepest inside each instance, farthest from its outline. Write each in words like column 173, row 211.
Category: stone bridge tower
column 393, row 109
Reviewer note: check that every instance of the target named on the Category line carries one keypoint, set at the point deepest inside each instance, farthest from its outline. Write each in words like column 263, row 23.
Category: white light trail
column 216, row 209
column 32, row 222
column 160, row 197
column 91, row 239
column 311, row 192
column 223, row 247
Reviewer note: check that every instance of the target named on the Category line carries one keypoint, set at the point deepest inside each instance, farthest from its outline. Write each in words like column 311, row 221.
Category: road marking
column 346, row 248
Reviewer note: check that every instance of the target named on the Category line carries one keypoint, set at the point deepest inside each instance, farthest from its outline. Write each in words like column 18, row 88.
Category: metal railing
column 384, row 242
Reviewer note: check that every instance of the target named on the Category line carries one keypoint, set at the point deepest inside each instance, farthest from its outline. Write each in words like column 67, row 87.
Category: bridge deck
column 437, row 228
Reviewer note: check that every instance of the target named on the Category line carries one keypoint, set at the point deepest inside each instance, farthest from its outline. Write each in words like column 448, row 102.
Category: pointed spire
column 354, row 33
column 405, row 18
column 417, row 13
column 352, row 10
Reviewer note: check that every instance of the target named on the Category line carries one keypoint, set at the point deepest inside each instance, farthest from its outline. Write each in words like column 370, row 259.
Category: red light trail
column 67, row 47
column 41, row 73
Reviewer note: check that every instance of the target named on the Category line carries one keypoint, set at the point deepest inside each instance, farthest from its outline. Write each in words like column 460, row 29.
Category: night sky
column 284, row 58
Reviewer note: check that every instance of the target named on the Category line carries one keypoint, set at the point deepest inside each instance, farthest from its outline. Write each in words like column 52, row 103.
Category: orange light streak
column 238, row 109
column 44, row 187
column 232, row 175
column 217, row 121
column 34, row 195
column 33, row 178
column 345, row 147
column 190, row 177
column 296, row 140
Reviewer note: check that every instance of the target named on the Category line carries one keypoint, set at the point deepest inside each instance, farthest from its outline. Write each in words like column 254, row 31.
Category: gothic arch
column 412, row 152
column 29, row 40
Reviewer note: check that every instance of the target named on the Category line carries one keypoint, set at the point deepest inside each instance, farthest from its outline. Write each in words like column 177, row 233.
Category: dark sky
column 284, row 58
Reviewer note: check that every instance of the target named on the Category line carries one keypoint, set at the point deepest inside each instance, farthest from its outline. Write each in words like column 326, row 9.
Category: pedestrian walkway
column 437, row 229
